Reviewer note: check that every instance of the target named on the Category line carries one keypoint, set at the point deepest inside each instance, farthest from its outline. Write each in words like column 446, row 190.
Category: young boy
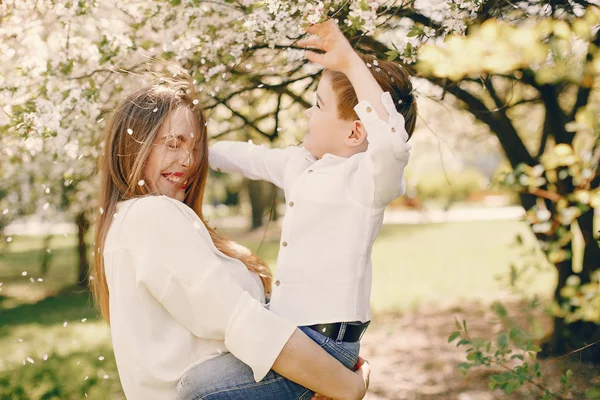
column 337, row 185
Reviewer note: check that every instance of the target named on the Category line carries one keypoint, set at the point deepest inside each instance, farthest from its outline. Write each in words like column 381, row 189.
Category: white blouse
column 334, row 212
column 176, row 301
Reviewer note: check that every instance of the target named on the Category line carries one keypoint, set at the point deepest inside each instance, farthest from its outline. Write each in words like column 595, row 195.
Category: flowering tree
column 66, row 62
column 550, row 63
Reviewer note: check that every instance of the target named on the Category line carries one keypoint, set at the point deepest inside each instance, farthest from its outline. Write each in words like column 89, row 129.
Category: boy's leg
column 227, row 378
column 344, row 352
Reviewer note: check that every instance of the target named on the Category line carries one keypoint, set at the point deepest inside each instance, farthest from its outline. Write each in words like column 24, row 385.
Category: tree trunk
column 82, row 228
column 46, row 255
column 263, row 196
column 570, row 337
column 257, row 203
column 272, row 202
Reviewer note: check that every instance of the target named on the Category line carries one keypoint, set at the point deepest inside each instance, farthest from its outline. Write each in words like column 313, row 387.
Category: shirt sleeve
column 179, row 269
column 379, row 178
column 253, row 161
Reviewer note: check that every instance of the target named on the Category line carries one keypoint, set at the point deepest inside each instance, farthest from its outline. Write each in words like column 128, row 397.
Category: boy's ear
column 358, row 135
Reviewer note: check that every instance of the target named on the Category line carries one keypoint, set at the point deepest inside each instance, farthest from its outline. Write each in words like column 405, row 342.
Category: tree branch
column 513, row 146
column 583, row 94
column 556, row 116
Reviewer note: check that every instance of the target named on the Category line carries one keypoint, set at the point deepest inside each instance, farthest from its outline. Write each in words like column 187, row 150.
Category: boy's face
column 326, row 131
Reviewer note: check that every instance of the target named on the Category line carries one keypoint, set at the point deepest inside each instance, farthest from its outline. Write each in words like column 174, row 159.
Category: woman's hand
column 338, row 53
column 363, row 371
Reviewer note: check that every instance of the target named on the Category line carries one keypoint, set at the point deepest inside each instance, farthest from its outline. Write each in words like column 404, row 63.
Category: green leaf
column 415, row 31
column 514, row 332
column 392, row 55
column 453, row 336
column 510, row 388
column 499, row 309
column 502, row 340
column 593, row 394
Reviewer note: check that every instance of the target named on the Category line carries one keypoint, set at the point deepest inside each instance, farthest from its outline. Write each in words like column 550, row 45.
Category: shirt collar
column 329, row 156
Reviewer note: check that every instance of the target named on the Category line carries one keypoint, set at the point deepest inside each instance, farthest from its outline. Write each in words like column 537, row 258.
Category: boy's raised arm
column 380, row 177
column 253, row 161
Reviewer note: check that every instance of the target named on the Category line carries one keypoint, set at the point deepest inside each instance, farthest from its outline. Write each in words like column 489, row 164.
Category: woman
column 175, row 292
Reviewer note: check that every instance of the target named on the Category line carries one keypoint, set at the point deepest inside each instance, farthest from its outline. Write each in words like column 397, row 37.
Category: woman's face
column 172, row 154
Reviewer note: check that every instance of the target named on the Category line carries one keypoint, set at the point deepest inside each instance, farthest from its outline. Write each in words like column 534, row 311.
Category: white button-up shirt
column 334, row 212
column 176, row 300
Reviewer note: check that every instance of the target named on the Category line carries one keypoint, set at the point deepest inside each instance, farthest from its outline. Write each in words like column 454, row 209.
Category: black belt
column 353, row 333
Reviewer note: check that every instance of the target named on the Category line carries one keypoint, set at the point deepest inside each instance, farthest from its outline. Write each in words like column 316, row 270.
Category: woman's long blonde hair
column 129, row 137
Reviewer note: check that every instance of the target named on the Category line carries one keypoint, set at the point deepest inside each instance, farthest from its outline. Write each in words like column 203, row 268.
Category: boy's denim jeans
column 227, row 378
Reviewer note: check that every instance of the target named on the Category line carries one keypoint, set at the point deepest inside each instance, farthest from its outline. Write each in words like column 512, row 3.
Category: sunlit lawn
column 413, row 264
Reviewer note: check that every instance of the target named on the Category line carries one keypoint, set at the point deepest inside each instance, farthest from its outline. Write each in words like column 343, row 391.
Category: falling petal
column 130, row 131
column 141, row 182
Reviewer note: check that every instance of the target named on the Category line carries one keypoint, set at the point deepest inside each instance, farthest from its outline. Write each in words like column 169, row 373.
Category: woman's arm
column 176, row 264
column 306, row 363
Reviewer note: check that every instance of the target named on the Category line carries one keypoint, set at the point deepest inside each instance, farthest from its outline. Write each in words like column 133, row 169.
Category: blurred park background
column 494, row 247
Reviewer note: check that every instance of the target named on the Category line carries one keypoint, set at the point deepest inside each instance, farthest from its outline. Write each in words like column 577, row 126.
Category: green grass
column 412, row 264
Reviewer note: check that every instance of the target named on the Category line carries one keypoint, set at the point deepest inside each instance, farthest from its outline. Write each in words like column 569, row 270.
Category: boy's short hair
column 391, row 76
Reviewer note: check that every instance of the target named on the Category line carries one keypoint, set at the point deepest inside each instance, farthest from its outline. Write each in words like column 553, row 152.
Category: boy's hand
column 339, row 54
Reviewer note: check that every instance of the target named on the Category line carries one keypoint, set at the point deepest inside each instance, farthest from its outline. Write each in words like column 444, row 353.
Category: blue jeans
column 227, row 378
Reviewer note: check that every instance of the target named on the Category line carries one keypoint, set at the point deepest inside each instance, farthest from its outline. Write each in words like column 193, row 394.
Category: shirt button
column 277, row 283
column 369, row 109
column 291, row 204
column 393, row 129
column 310, row 170
column 284, row 244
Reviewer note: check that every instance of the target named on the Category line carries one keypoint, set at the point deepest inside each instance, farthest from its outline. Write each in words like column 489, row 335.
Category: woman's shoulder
column 152, row 205
column 152, row 211
column 153, row 219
